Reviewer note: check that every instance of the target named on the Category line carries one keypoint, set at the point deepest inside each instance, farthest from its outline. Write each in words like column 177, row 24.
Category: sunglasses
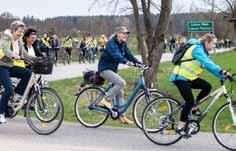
column 33, row 33
column 127, row 33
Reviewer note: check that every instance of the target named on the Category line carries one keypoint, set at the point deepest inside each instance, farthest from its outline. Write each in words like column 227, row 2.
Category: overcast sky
column 51, row 8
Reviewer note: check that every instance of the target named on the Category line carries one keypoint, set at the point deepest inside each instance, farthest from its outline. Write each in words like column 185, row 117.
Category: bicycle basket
column 42, row 66
column 93, row 77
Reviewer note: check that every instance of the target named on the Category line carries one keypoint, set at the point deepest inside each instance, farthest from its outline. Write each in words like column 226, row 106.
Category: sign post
column 200, row 26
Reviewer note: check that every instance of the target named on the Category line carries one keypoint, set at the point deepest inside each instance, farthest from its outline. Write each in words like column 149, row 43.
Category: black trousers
column 185, row 89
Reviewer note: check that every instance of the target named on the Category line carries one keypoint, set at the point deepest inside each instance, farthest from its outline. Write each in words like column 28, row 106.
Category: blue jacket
column 114, row 54
column 201, row 55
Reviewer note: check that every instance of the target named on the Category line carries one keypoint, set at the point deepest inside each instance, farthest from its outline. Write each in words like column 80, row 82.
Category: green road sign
column 198, row 26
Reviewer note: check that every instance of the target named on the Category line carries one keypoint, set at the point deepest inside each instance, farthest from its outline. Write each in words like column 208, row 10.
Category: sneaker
column 196, row 112
column 125, row 120
column 180, row 131
column 105, row 103
column 2, row 118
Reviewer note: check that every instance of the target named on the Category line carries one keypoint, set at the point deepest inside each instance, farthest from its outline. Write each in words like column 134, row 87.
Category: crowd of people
column 18, row 42
column 173, row 43
column 64, row 48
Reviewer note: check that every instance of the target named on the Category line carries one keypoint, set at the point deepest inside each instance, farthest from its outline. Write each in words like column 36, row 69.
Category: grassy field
column 67, row 88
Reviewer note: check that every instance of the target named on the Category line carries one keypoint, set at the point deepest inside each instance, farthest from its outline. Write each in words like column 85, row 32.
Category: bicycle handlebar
column 232, row 78
column 141, row 66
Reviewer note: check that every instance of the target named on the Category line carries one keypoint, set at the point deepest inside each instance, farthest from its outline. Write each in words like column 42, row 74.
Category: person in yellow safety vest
column 45, row 44
column 93, row 45
column 11, row 51
column 186, row 75
column 67, row 44
column 102, row 42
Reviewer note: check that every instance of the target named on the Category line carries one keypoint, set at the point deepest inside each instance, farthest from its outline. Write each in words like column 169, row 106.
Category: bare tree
column 154, row 33
column 226, row 7
column 139, row 35
column 151, row 41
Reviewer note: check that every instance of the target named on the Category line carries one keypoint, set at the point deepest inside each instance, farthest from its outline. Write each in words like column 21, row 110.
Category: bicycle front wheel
column 141, row 102
column 85, row 113
column 223, row 128
column 158, row 116
column 45, row 112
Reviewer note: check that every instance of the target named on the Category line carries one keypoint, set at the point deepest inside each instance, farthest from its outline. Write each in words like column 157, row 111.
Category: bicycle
column 92, row 115
column 162, row 116
column 42, row 105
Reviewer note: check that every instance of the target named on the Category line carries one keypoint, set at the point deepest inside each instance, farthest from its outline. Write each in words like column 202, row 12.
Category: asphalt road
column 17, row 136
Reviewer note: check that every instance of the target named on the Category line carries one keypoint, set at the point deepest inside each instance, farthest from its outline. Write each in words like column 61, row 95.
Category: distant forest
column 96, row 25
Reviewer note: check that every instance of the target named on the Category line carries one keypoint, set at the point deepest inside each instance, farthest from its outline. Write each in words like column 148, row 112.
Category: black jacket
column 36, row 47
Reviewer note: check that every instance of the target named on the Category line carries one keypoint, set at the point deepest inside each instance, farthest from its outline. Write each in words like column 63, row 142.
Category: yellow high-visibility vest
column 45, row 42
column 189, row 69
column 68, row 43
column 1, row 53
column 19, row 63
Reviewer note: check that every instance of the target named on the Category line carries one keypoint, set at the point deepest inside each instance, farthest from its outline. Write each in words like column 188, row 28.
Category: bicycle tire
column 43, row 126
column 83, row 101
column 138, row 118
column 220, row 132
column 166, row 125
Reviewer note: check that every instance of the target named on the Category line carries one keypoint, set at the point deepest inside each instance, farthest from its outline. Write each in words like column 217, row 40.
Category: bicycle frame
column 33, row 82
column 122, row 108
column 216, row 95
column 222, row 91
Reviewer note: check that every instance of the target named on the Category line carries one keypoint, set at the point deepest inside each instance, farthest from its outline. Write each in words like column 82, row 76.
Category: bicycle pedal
column 186, row 136
column 114, row 113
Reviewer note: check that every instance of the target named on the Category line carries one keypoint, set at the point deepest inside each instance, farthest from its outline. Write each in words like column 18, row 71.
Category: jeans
column 117, row 91
column 5, row 73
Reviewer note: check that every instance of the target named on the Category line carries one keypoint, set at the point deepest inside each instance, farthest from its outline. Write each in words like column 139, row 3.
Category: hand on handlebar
column 227, row 75
column 16, row 57
column 129, row 63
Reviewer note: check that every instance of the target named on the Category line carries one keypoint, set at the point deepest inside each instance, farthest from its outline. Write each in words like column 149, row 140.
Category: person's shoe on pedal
column 125, row 120
column 106, row 103
column 180, row 131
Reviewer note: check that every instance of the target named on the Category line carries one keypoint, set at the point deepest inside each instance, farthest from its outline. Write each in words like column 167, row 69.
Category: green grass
column 67, row 88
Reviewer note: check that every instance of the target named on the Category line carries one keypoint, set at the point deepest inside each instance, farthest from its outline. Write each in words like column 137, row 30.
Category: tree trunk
column 139, row 35
column 234, row 35
column 157, row 47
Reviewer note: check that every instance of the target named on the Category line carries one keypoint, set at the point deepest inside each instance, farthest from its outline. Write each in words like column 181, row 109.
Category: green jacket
column 6, row 49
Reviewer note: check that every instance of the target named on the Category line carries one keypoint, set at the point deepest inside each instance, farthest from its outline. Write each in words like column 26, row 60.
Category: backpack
column 93, row 77
column 176, row 60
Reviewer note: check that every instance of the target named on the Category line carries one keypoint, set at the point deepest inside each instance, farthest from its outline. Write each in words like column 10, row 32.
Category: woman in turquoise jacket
column 186, row 75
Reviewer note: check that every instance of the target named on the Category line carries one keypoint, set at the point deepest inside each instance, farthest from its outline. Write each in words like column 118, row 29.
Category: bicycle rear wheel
column 140, row 103
column 45, row 113
column 157, row 116
column 223, row 128
column 85, row 113
column 68, row 58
